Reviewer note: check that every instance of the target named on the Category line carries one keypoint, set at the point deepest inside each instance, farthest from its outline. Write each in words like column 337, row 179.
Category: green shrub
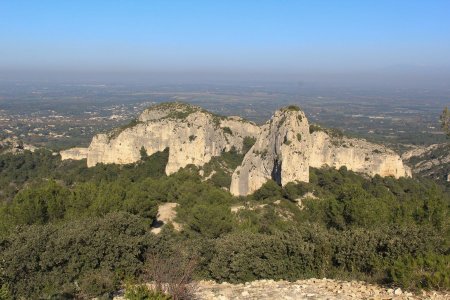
column 293, row 108
column 248, row 143
column 221, row 179
column 269, row 190
column 356, row 251
column 227, row 130
column 117, row 131
column 429, row 271
column 313, row 128
column 210, row 221
column 4, row 292
column 242, row 257
column 37, row 261
column 292, row 190
column 40, row 204
column 97, row 283
column 143, row 153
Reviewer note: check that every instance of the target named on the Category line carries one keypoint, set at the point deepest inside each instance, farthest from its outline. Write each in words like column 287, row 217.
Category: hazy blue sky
column 223, row 36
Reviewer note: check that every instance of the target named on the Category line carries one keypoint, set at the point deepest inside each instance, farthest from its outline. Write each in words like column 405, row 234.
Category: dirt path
column 166, row 214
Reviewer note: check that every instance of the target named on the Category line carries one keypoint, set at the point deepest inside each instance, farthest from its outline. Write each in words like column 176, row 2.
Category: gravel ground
column 306, row 289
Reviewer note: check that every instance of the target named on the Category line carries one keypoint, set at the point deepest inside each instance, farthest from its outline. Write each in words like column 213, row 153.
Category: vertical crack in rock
column 276, row 172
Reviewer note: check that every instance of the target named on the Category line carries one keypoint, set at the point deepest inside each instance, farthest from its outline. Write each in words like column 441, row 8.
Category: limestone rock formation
column 286, row 146
column 286, row 149
column 192, row 135
column 281, row 153
column 74, row 153
column 356, row 154
column 432, row 161
column 14, row 145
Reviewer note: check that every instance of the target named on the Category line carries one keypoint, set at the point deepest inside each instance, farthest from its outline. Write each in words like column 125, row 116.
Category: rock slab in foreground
column 305, row 289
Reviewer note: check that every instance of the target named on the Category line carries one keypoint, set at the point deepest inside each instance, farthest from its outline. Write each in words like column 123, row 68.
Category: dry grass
column 172, row 275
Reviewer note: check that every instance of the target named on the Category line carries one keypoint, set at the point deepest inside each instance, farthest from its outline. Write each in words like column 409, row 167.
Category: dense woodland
column 67, row 230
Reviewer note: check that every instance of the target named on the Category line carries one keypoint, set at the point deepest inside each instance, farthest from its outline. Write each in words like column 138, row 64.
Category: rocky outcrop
column 286, row 146
column 14, row 145
column 281, row 153
column 355, row 154
column 286, row 149
column 192, row 135
column 306, row 289
column 313, row 288
column 74, row 153
column 432, row 161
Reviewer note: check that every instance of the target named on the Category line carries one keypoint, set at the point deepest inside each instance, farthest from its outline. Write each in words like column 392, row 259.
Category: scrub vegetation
column 71, row 231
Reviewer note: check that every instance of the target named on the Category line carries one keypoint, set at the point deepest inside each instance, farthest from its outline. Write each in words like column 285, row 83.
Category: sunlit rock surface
column 192, row 135
column 286, row 146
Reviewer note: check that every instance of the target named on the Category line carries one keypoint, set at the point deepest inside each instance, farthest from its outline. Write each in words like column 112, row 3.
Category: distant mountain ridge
column 286, row 145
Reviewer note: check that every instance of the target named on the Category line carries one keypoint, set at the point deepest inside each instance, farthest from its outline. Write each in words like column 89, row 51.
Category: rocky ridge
column 192, row 134
column 286, row 146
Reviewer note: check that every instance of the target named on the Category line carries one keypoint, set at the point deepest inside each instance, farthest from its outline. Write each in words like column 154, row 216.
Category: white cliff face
column 281, row 153
column 356, row 154
column 192, row 135
column 284, row 148
column 74, row 153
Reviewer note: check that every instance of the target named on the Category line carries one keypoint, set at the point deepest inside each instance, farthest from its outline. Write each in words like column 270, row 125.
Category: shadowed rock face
column 284, row 148
column 192, row 135
column 432, row 161
column 281, row 153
